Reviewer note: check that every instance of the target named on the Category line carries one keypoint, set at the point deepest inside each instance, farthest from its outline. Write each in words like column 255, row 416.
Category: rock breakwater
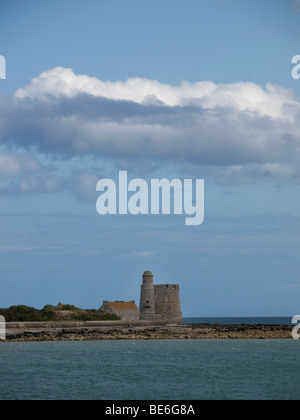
column 182, row 332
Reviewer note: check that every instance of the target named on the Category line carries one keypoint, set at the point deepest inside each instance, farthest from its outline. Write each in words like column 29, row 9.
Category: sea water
column 238, row 320
column 151, row 370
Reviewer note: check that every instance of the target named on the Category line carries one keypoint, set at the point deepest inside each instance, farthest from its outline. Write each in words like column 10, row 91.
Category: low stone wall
column 17, row 327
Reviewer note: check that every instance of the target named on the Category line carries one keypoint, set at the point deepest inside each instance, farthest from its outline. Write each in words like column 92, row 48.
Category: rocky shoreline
column 182, row 332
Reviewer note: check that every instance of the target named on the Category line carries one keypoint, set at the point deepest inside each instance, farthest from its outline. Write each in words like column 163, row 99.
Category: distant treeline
column 22, row 313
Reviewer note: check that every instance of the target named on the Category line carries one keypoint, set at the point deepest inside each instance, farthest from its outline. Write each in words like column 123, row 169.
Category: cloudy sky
column 169, row 89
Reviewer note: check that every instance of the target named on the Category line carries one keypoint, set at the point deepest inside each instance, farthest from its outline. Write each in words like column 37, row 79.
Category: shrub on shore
column 27, row 314
column 22, row 313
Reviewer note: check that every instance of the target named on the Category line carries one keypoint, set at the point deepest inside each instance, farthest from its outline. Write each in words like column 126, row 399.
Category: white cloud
column 244, row 96
column 140, row 254
column 235, row 133
column 23, row 173
column 12, row 165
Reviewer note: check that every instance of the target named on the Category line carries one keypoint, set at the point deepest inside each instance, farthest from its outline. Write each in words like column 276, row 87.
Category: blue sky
column 194, row 89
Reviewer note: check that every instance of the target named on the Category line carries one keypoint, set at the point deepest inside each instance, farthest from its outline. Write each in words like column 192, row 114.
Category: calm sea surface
column 151, row 370
column 249, row 321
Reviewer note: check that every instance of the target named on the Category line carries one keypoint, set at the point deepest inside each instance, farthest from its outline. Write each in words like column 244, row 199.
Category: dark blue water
column 151, row 370
column 235, row 321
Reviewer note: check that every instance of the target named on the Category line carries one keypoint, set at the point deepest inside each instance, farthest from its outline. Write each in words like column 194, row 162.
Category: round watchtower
column 147, row 304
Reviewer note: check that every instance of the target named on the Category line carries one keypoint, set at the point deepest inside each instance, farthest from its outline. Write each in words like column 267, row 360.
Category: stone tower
column 147, row 304
column 159, row 302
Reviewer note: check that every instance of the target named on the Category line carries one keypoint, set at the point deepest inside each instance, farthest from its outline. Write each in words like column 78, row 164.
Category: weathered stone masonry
column 159, row 302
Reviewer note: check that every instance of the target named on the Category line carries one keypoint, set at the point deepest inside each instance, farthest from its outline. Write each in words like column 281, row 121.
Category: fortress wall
column 14, row 328
column 159, row 302
column 167, row 302
column 128, row 315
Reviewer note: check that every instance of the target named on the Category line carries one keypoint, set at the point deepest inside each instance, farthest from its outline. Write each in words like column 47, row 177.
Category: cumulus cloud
column 23, row 173
column 238, row 132
column 12, row 165
column 61, row 82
